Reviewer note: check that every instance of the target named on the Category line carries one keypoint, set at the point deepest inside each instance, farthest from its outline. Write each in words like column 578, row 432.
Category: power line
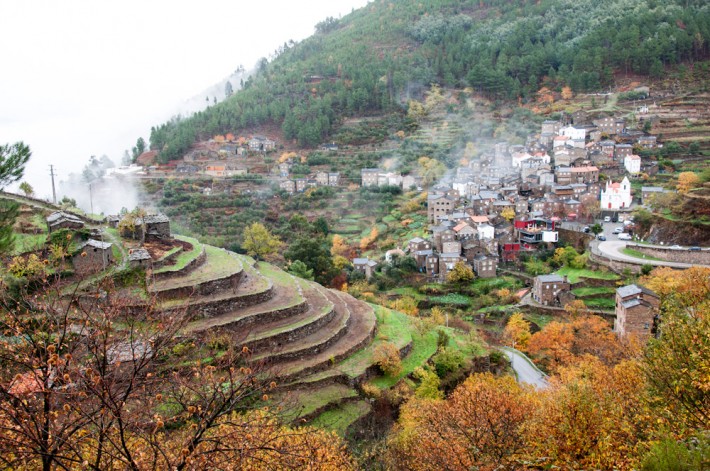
column 54, row 192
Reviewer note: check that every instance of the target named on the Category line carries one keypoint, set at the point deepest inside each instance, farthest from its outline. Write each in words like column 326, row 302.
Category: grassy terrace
column 184, row 258
column 575, row 274
column 392, row 326
column 219, row 264
column 341, row 417
column 592, row 291
column 637, row 254
column 300, row 403
column 423, row 347
column 28, row 243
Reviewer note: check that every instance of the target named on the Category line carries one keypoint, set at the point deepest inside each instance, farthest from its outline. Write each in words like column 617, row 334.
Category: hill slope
column 374, row 59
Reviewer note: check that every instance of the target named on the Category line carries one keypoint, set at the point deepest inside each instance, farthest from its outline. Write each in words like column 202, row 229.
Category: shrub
column 386, row 357
column 442, row 339
column 447, row 361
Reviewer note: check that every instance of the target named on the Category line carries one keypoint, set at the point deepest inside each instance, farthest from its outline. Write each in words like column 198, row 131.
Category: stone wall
column 229, row 282
column 700, row 257
column 292, row 335
column 213, row 308
column 187, row 269
column 313, row 349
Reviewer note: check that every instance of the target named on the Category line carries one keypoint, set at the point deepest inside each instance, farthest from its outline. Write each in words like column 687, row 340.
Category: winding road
column 525, row 370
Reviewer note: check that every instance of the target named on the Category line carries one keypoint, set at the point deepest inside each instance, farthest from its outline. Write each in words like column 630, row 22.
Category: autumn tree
column 386, row 357
column 517, row 331
column 368, row 240
column 477, row 427
column 461, row 273
column 85, row 385
column 508, row 214
column 677, row 362
column 687, row 181
column 339, row 246
column 567, row 93
column 566, row 343
column 258, row 241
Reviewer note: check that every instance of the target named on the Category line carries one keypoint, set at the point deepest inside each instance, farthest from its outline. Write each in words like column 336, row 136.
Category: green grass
column 219, row 264
column 540, row 319
column 423, row 347
column 305, row 402
column 592, row 291
column 575, row 274
column 637, row 254
column 28, row 243
column 392, row 326
column 408, row 291
column 453, row 299
column 600, row 303
column 341, row 417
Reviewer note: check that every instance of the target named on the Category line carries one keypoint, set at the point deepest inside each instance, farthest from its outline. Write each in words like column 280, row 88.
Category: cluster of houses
column 94, row 254
column 299, row 185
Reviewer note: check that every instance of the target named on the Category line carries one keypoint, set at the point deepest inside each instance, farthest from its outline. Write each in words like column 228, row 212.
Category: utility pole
column 54, row 193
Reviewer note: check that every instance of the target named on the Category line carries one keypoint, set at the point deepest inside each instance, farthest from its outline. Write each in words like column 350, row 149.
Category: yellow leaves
column 687, row 181
column 365, row 242
column 517, row 331
column 508, row 214
column 339, row 246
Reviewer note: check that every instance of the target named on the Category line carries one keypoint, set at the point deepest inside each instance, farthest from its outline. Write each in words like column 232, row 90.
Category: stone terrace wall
column 700, row 257
column 187, row 269
column 213, row 308
column 229, row 282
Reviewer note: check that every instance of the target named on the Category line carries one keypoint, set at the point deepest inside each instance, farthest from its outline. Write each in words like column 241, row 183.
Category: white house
column 486, row 231
column 616, row 195
column 573, row 133
column 632, row 163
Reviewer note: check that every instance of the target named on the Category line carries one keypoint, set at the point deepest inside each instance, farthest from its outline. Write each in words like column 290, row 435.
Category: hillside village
column 461, row 235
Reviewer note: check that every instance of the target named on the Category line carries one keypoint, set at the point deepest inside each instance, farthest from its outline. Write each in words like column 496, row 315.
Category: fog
column 85, row 78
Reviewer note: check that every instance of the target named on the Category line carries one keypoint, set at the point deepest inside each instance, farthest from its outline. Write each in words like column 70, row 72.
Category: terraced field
column 317, row 343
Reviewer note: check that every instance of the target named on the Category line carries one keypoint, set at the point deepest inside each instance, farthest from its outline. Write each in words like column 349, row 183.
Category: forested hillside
column 373, row 60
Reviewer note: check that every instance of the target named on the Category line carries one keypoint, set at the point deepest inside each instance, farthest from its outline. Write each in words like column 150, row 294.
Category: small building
column 636, row 311
column 365, row 265
column 439, row 205
column 485, row 266
column 113, row 220
column 418, row 243
column 139, row 258
column 547, row 288
column 447, row 262
column 261, row 144
column 390, row 254
column 648, row 142
column 632, row 164
column 92, row 256
column 369, row 176
column 288, row 185
column 61, row 220
column 157, row 225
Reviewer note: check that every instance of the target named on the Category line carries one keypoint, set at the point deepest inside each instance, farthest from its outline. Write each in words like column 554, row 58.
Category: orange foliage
column 565, row 343
column 365, row 242
column 478, row 427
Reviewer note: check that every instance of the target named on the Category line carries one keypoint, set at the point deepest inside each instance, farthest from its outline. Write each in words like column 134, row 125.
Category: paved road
column 525, row 370
column 612, row 249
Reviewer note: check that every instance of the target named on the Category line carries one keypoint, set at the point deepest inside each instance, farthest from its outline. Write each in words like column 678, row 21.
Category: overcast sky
column 87, row 77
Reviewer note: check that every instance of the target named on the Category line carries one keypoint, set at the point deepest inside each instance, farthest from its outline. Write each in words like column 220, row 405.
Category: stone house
column 92, row 256
column 547, row 288
column 453, row 246
column 432, row 264
column 369, row 176
column 447, row 262
column 484, row 266
column 610, row 125
column 439, row 206
column 157, row 225
column 621, row 151
column 288, row 185
column 636, row 311
column 418, row 243
column 365, row 266
column 139, row 258
column 301, row 184
column 464, row 231
column 648, row 142
column 61, row 220
column 261, row 144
